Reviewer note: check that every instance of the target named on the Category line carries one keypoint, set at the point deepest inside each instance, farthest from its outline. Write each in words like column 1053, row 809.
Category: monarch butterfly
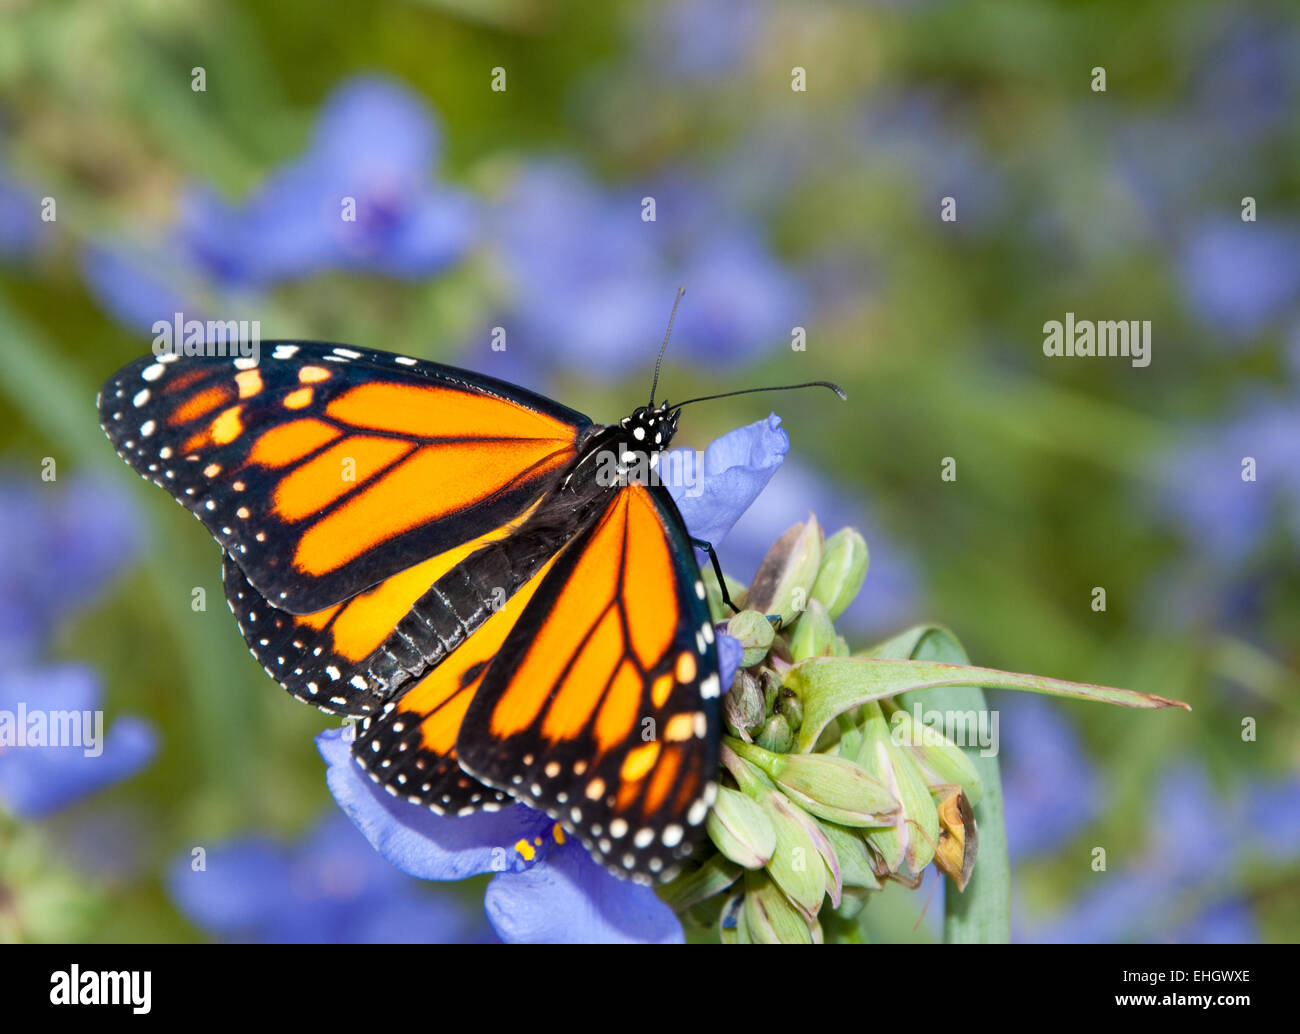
column 434, row 553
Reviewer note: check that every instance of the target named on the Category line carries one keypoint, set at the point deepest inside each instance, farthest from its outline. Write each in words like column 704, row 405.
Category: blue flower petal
column 736, row 468
column 730, row 654
column 420, row 843
column 35, row 781
column 569, row 899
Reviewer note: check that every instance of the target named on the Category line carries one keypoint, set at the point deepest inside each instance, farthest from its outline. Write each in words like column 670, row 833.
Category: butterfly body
column 484, row 578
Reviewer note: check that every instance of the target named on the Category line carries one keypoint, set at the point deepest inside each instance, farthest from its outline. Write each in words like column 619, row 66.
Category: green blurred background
column 776, row 208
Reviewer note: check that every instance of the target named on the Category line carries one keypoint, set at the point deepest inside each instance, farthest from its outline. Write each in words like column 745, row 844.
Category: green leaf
column 832, row 685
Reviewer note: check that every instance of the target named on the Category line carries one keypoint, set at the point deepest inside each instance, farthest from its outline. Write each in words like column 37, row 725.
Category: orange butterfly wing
column 600, row 707
column 324, row 470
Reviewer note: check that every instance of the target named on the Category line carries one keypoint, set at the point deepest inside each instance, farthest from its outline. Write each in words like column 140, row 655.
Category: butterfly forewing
column 323, row 470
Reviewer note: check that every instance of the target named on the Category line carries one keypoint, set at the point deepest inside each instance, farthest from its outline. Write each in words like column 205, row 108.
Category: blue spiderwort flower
column 361, row 198
column 587, row 275
column 35, row 780
column 1198, row 837
column 546, row 887
column 329, row 889
column 21, row 229
column 1240, row 277
column 58, row 547
column 1049, row 786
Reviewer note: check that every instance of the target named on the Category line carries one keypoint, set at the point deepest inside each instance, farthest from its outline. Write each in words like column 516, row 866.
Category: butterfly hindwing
column 323, row 470
column 410, row 748
column 346, row 658
column 600, row 707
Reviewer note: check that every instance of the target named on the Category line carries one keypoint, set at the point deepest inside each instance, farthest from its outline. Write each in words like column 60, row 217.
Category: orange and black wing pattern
column 331, row 657
column 601, row 704
column 324, row 470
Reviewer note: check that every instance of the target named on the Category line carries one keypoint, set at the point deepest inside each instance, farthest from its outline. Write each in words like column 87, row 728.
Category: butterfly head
column 651, row 428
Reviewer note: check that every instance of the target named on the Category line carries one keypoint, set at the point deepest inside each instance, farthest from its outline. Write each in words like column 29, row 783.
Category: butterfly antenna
column 664, row 347
column 776, row 387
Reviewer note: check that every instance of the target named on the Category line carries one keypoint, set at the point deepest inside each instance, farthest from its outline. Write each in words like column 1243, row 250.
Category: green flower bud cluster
column 876, row 797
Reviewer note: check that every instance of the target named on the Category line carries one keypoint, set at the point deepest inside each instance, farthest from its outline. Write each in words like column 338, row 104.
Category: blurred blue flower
column 21, row 228
column 1172, row 890
column 1049, row 785
column 1200, row 484
column 38, row 780
column 59, row 546
column 141, row 284
column 914, row 138
column 329, row 889
column 1274, row 807
column 591, row 284
column 559, row 894
column 361, row 198
column 1239, row 277
column 701, row 40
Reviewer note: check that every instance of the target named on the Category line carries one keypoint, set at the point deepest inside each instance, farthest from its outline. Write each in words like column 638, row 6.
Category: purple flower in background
column 21, row 229
column 701, row 40
column 1049, row 785
column 591, row 283
column 140, row 285
column 59, row 546
column 1240, row 277
column 360, row 199
column 74, row 758
column 1203, row 489
column 1171, row 891
column 552, row 891
column 329, row 889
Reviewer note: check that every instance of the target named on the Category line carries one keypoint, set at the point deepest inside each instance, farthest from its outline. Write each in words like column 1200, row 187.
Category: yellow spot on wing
column 227, row 427
column 639, row 762
column 250, row 383
column 299, row 399
column 313, row 375
column 526, row 850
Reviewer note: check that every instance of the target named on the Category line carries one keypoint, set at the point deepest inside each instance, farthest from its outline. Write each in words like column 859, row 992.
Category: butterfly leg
column 717, row 570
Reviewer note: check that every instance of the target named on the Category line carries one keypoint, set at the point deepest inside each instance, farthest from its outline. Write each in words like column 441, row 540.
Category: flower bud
column 770, row 917
column 741, row 830
column 854, row 858
column 941, row 761
column 776, row 734
column 842, row 571
column 755, row 633
column 908, row 846
column 829, row 787
column 814, row 635
column 742, row 706
column 786, row 575
column 790, row 706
